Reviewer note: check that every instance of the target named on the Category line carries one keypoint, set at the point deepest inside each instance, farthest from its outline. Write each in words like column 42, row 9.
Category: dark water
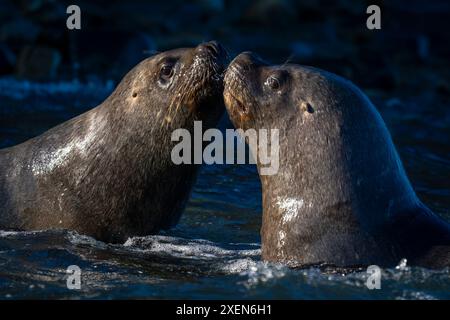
column 214, row 252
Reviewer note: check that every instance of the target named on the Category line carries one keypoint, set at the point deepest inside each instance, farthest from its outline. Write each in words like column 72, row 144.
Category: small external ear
column 306, row 107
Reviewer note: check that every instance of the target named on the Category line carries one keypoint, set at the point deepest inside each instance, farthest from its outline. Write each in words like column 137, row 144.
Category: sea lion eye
column 166, row 71
column 273, row 83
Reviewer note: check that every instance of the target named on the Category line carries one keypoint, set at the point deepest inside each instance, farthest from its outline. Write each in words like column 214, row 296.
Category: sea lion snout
column 197, row 81
column 235, row 97
column 214, row 48
column 241, row 69
column 241, row 88
column 248, row 60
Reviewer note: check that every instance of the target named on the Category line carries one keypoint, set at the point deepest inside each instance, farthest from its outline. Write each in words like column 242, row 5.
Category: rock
column 114, row 53
column 30, row 5
column 212, row 5
column 38, row 63
column 8, row 11
column 48, row 13
column 7, row 59
column 19, row 30
column 423, row 47
column 271, row 12
column 138, row 47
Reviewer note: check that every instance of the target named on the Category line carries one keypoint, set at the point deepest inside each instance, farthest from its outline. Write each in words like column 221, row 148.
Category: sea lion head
column 174, row 87
column 255, row 91
column 258, row 95
column 340, row 178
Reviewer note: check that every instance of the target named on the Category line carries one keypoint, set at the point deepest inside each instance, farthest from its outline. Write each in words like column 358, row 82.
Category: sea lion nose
column 215, row 48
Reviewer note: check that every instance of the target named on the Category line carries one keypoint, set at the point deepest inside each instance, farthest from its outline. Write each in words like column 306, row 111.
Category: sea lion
column 341, row 195
column 108, row 173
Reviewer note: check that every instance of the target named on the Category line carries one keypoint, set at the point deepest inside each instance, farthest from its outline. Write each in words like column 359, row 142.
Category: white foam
column 192, row 248
column 402, row 265
column 239, row 266
column 415, row 295
column 262, row 272
column 81, row 239
column 7, row 233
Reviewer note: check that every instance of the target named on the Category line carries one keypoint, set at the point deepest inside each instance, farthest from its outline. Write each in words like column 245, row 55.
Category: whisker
column 195, row 80
column 289, row 59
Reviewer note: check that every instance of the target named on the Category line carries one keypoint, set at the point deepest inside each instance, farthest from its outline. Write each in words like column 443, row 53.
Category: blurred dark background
column 411, row 50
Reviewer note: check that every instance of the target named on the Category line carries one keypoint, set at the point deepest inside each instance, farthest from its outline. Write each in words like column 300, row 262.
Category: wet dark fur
column 115, row 177
column 338, row 161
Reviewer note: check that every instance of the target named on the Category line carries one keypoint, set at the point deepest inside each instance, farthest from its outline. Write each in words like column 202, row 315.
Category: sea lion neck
column 321, row 202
